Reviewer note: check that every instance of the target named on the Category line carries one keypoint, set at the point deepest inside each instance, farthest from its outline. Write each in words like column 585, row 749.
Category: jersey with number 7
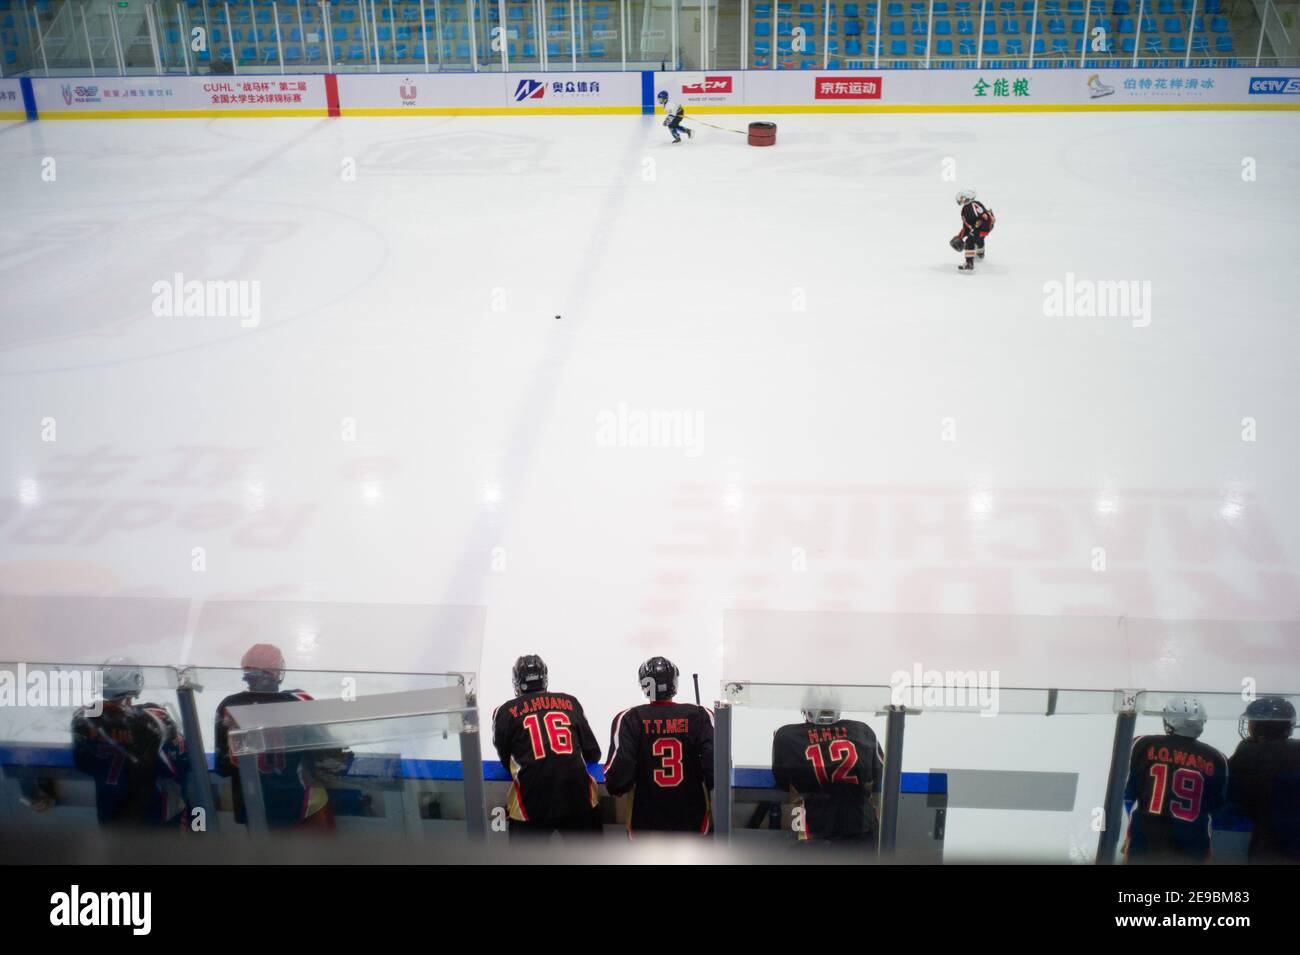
column 662, row 753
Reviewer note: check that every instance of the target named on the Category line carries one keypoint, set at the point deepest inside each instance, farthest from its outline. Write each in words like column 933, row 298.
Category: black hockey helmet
column 1269, row 717
column 658, row 678
column 529, row 674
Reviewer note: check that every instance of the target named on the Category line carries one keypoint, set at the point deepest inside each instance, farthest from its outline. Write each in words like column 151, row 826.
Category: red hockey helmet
column 264, row 658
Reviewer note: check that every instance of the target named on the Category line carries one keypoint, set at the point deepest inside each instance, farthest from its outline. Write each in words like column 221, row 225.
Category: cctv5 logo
column 1275, row 84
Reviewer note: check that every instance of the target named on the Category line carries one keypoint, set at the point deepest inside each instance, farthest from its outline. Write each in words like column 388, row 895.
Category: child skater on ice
column 673, row 117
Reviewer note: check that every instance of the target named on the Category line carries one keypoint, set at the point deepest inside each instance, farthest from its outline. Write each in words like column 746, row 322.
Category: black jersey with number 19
column 662, row 753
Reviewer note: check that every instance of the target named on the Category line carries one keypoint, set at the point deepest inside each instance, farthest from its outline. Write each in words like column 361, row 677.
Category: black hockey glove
column 956, row 243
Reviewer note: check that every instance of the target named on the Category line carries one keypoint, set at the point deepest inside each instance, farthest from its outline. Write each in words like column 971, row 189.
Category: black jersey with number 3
column 544, row 740
column 662, row 753
column 835, row 769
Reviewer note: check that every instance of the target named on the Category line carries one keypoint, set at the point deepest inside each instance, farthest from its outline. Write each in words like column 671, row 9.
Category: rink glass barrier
column 1026, row 784
column 409, row 778
column 201, row 37
column 1026, row 774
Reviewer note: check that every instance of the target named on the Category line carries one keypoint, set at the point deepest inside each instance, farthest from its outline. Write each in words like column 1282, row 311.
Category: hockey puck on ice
column 762, row 134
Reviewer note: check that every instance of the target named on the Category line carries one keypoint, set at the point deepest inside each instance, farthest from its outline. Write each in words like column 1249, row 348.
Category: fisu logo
column 407, row 91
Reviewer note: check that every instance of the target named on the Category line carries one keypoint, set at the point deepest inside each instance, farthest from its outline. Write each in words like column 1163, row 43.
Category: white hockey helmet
column 1184, row 716
column 964, row 196
column 122, row 679
column 821, row 707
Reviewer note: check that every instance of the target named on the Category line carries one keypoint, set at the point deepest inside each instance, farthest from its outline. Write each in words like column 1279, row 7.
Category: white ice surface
column 798, row 304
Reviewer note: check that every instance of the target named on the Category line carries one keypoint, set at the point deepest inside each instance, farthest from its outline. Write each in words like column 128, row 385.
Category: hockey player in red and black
column 835, row 767
column 292, row 792
column 1264, row 780
column 134, row 752
column 1176, row 784
column 542, row 737
column 661, row 752
column 976, row 223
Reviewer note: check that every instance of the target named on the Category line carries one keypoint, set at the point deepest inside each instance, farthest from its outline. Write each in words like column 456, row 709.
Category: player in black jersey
column 835, row 766
column 1176, row 784
column 1264, row 779
column 976, row 223
column 292, row 791
column 662, row 753
column 134, row 752
column 542, row 737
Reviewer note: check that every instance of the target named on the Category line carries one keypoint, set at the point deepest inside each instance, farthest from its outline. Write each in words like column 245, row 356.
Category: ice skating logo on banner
column 80, row 94
column 1097, row 89
column 1274, row 85
column 1168, row 87
column 839, row 87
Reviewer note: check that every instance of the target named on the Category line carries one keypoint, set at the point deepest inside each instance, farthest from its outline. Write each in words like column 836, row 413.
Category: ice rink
column 465, row 333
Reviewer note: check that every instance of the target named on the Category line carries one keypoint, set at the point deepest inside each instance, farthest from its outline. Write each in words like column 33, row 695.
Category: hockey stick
column 694, row 119
column 696, row 678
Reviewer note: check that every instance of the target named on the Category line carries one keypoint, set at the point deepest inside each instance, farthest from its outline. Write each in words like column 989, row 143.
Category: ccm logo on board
column 1275, row 84
column 710, row 84
column 834, row 87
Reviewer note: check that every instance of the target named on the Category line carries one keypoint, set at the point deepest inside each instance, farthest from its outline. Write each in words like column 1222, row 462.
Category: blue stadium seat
column 762, row 29
column 965, row 27
column 896, row 28
column 942, row 27
column 1125, row 26
column 990, row 47
column 943, row 47
column 1015, row 47
column 1152, row 44
column 1223, row 44
column 852, row 47
column 1121, row 8
column 1165, row 7
column 918, row 47
column 1177, row 44
column 1056, row 26
column 1010, row 27
column 1128, row 45
column 1219, row 24
column 1076, row 25
column 1172, row 25
column 966, row 47
column 898, row 48
column 1060, row 45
